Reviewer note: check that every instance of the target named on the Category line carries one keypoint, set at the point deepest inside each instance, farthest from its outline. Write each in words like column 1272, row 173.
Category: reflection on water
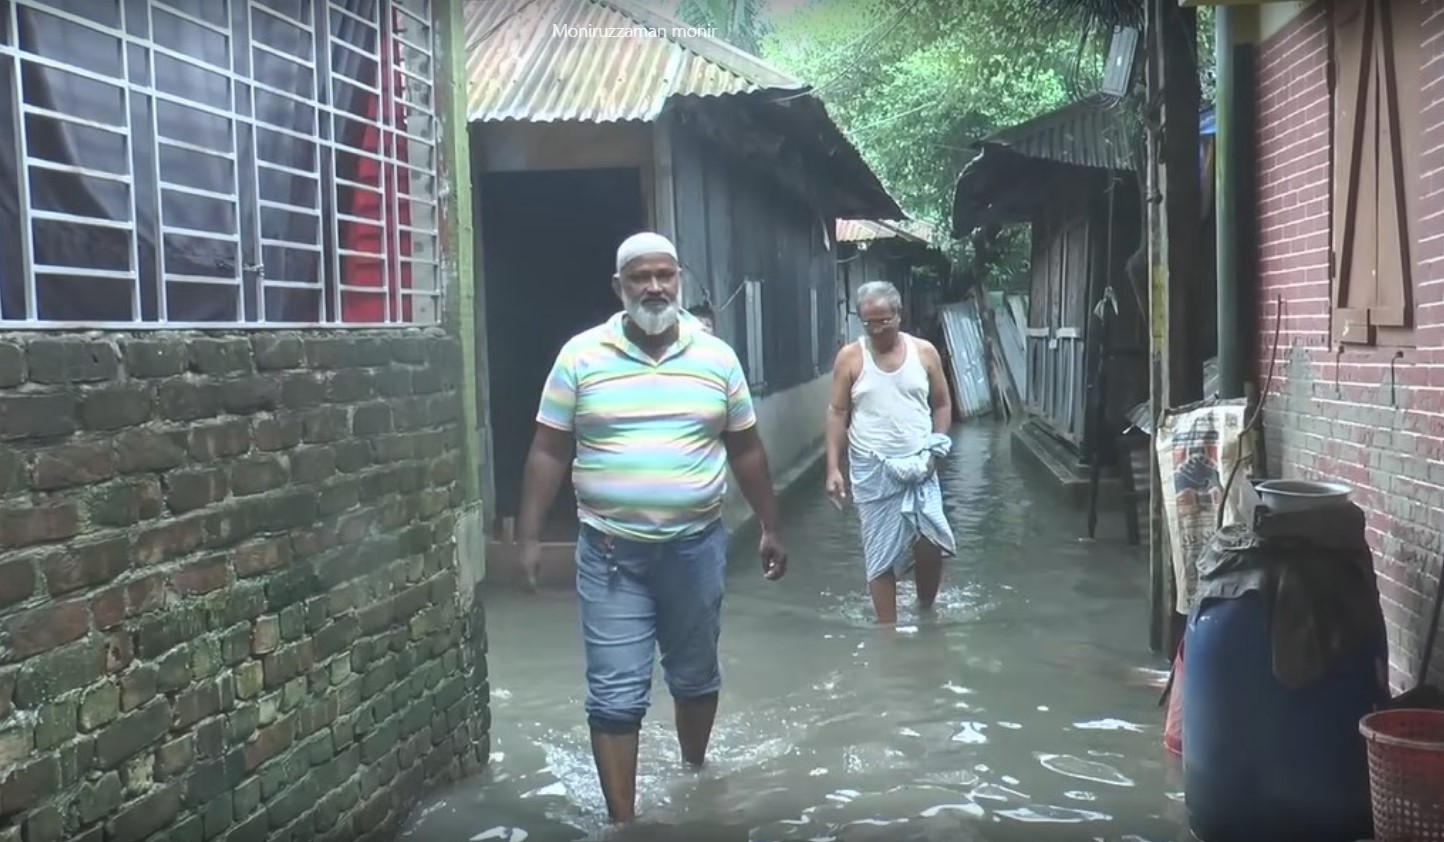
column 1015, row 712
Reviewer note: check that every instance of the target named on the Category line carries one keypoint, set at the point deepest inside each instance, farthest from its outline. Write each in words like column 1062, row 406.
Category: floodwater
column 1021, row 711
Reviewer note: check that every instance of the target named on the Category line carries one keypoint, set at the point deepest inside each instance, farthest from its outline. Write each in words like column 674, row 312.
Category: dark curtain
column 96, row 298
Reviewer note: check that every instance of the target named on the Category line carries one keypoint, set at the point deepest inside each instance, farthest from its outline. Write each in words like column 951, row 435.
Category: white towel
column 898, row 501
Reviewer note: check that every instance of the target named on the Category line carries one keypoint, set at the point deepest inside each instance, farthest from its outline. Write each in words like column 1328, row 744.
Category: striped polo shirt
column 650, row 462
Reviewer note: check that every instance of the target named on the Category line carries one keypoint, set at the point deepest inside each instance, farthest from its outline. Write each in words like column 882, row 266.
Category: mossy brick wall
column 229, row 601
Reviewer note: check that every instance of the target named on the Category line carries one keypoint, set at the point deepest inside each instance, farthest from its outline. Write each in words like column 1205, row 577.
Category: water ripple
column 1084, row 770
column 1053, row 815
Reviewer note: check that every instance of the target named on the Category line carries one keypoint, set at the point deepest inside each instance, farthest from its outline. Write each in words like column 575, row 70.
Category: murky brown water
column 1018, row 713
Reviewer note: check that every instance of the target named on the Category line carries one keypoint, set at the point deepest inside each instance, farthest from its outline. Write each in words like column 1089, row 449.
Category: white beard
column 652, row 321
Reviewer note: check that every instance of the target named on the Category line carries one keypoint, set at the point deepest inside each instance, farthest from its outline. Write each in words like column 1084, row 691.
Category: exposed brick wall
column 1363, row 417
column 229, row 600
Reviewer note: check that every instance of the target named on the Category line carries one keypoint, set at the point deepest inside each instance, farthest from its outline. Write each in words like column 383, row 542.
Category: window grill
column 218, row 162
column 752, row 301
column 814, row 329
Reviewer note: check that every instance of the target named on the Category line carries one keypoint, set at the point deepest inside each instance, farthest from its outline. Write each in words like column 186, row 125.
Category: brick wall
column 1363, row 417
column 229, row 601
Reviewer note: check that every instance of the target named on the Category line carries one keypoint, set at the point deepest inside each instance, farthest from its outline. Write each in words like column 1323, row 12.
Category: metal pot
column 1298, row 495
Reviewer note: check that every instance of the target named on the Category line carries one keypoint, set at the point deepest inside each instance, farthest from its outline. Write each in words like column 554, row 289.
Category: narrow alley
column 1021, row 711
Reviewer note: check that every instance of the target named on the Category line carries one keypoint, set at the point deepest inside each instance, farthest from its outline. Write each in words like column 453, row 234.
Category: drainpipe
column 1235, row 210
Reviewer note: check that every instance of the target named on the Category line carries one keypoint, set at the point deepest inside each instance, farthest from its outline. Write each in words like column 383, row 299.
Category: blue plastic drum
column 1263, row 762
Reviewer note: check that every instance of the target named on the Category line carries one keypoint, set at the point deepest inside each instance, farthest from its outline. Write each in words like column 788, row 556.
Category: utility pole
column 1175, row 258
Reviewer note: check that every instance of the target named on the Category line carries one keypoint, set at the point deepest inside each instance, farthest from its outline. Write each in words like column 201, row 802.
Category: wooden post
column 1159, row 604
column 461, row 263
column 1175, row 260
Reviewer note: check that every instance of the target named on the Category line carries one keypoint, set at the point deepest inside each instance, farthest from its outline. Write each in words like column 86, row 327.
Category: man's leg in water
column 881, row 580
column 883, row 591
column 927, row 572
column 689, row 584
column 618, row 618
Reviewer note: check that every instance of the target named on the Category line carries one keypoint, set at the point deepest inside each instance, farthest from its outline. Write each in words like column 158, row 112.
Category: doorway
column 549, row 243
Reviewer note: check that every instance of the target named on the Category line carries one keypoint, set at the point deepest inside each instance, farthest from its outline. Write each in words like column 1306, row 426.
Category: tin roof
column 866, row 230
column 1086, row 133
column 612, row 60
column 597, row 61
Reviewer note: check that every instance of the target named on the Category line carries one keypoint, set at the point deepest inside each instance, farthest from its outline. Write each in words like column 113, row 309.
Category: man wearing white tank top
column 887, row 425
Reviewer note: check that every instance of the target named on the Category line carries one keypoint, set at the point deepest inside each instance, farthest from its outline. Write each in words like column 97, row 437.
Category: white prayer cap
column 642, row 244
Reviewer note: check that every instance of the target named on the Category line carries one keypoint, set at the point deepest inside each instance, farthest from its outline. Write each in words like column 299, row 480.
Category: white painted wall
column 791, row 426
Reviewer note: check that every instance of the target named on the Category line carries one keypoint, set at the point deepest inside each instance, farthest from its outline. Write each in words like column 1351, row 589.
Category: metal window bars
column 752, row 302
column 291, row 264
column 814, row 322
column 311, row 207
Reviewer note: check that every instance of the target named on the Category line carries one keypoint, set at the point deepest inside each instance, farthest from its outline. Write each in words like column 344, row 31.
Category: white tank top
column 891, row 415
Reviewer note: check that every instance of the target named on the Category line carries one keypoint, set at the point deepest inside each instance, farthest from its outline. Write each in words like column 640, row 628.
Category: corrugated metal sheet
column 545, row 60
column 1015, row 348
column 732, row 230
column 867, row 230
column 1086, row 133
column 963, row 331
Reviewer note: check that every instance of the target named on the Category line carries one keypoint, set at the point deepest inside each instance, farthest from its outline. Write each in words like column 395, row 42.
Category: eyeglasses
column 879, row 322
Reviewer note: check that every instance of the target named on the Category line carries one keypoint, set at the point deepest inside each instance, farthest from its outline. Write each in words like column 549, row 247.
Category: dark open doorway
column 549, row 245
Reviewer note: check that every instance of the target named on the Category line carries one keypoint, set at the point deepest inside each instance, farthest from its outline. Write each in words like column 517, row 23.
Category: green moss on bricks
column 234, row 615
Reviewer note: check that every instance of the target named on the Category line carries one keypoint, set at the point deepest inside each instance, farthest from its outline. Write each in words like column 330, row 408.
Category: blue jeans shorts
column 636, row 598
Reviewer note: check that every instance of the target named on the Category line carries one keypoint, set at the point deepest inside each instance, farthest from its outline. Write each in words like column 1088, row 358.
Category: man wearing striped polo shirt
column 656, row 409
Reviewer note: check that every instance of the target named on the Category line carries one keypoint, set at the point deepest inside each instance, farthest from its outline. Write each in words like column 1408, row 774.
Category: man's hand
column 529, row 553
column 836, row 488
column 546, row 465
column 774, row 556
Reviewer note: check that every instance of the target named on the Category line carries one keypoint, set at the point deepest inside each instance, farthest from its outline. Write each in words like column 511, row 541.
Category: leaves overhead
column 740, row 23
column 915, row 83
column 1101, row 13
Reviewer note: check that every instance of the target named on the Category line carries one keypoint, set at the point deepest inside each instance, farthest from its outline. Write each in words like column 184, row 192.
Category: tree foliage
column 915, row 83
column 741, row 23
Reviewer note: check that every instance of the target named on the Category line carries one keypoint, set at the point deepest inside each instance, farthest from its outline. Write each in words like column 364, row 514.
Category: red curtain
column 385, row 230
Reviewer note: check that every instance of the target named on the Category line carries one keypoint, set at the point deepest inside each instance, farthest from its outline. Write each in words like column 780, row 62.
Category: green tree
column 915, row 83
column 740, row 23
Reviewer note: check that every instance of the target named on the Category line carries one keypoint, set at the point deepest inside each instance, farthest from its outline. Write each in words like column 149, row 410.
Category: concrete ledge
column 558, row 566
column 1045, row 453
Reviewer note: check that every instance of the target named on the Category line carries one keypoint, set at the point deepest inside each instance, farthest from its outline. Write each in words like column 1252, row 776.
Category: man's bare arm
column 939, row 398
column 546, row 465
column 839, row 407
column 748, row 459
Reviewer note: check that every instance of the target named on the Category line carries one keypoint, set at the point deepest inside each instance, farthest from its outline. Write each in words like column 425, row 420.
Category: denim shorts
column 636, row 598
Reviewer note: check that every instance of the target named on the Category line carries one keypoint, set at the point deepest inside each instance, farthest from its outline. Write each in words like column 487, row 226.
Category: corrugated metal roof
column 597, row 61
column 1086, row 133
column 866, row 230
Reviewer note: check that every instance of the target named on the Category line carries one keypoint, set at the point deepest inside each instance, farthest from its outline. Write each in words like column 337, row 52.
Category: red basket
column 1406, row 774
